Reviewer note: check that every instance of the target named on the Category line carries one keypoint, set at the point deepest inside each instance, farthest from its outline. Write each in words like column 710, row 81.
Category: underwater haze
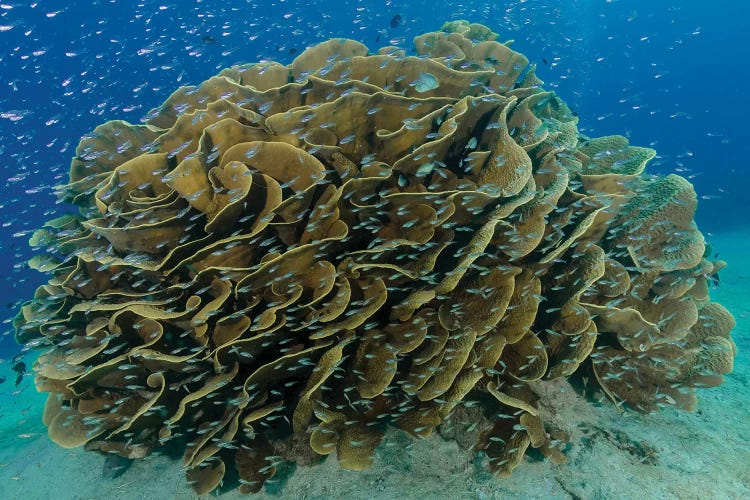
column 374, row 249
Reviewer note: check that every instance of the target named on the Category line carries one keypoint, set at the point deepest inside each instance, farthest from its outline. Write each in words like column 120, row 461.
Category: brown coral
column 299, row 256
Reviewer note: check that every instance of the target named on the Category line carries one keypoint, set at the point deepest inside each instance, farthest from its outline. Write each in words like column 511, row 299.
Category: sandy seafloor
column 612, row 455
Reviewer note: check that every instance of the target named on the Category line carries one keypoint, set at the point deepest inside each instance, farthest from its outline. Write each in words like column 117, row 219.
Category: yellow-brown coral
column 303, row 255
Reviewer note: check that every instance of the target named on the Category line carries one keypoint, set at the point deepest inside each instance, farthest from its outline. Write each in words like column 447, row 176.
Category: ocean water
column 577, row 333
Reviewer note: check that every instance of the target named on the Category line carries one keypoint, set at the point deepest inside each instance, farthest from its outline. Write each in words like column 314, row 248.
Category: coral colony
column 285, row 261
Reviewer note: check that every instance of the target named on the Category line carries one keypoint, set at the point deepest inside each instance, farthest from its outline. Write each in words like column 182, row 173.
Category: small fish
column 426, row 82
column 115, row 466
column 396, row 21
column 208, row 39
column 18, row 366
column 713, row 280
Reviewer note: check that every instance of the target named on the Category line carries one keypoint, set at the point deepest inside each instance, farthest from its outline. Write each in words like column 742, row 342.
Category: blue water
column 669, row 74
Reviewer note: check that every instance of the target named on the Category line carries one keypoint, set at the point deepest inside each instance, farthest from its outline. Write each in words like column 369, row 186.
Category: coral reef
column 285, row 260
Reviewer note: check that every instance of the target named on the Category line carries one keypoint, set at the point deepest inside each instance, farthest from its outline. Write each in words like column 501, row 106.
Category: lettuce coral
column 286, row 260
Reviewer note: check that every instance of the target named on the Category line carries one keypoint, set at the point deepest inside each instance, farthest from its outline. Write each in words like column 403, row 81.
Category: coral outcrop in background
column 285, row 260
